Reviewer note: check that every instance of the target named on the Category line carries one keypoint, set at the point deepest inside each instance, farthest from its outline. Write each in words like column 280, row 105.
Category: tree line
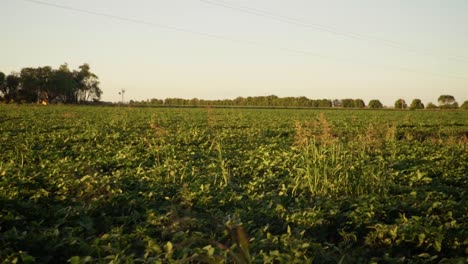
column 261, row 101
column 445, row 102
column 62, row 85
column 48, row 85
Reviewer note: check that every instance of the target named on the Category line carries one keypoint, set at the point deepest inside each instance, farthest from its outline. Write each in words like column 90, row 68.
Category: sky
column 222, row 49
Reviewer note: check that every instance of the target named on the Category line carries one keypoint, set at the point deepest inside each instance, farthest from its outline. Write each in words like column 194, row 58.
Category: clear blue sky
column 428, row 55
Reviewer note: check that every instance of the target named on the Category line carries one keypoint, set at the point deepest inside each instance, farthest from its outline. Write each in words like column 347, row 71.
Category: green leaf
column 75, row 260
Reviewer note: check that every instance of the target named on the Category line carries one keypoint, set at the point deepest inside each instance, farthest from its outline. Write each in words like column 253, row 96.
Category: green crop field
column 86, row 184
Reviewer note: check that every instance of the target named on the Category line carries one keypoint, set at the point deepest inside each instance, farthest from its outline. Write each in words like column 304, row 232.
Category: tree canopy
column 464, row 106
column 2, row 80
column 9, row 86
column 416, row 104
column 447, row 102
column 431, row 106
column 376, row 104
column 352, row 103
column 45, row 84
column 446, row 99
column 400, row 104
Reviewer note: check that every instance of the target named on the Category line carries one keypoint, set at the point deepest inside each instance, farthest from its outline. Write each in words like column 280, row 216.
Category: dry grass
column 319, row 131
column 68, row 115
column 376, row 135
column 158, row 130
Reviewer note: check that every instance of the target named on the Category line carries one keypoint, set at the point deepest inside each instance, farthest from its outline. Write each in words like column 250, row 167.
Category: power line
column 253, row 43
column 325, row 28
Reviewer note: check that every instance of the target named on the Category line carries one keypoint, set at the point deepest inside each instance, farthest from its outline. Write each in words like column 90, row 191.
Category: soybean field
column 88, row 184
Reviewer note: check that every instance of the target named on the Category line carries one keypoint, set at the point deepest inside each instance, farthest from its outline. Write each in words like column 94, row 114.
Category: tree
column 66, row 85
column 195, row 101
column 325, row 103
column 375, row 104
column 155, row 101
column 446, row 99
column 2, row 79
column 359, row 103
column 347, row 103
column 431, row 106
column 400, row 104
column 46, row 89
column 46, row 83
column 464, row 106
column 87, row 84
column 30, row 85
column 447, row 102
column 272, row 99
column 336, row 103
column 2, row 82
column 11, row 87
column 239, row 101
column 416, row 104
